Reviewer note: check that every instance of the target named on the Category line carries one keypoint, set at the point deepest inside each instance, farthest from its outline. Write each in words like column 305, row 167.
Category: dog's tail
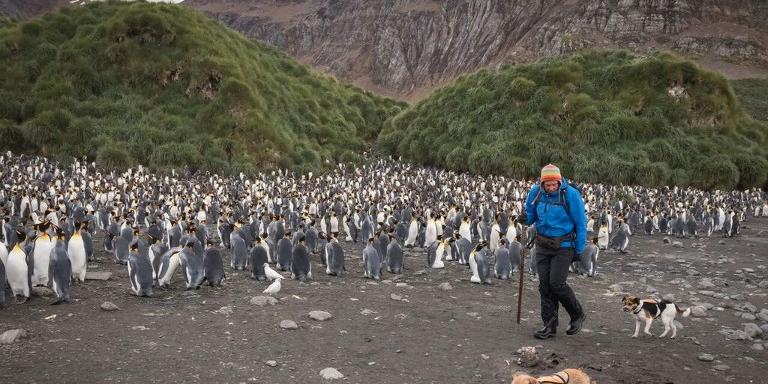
column 684, row 313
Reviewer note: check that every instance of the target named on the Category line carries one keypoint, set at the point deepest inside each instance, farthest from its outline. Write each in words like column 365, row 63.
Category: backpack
column 562, row 201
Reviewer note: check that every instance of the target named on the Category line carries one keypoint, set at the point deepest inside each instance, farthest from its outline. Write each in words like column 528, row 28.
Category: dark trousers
column 552, row 266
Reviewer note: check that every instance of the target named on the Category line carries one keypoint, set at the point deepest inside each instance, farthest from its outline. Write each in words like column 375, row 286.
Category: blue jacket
column 551, row 219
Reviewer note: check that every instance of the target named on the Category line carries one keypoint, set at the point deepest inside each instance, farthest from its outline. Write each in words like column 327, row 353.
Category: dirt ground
column 463, row 335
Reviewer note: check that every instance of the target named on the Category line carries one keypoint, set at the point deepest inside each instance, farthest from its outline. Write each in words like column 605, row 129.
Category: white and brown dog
column 649, row 309
column 566, row 376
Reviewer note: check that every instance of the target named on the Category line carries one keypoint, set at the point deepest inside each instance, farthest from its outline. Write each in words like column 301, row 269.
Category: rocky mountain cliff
column 404, row 48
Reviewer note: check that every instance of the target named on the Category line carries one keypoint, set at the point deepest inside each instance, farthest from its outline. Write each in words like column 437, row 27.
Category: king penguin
column 77, row 254
column 192, row 264
column 503, row 266
column 239, row 251
column 479, row 265
column 515, row 253
column 284, row 251
column 371, row 261
column 394, row 256
column 214, row 265
column 413, row 233
column 85, row 234
column 140, row 271
column 170, row 261
column 18, row 270
column 259, row 257
column 156, row 251
column 301, row 268
column 41, row 256
column 334, row 256
column 60, row 269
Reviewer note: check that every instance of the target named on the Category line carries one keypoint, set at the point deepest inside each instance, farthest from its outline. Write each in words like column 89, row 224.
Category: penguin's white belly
column 3, row 254
column 413, row 231
column 42, row 257
column 55, row 287
column 173, row 264
column 134, row 281
column 152, row 262
column 76, row 251
column 438, row 263
column 511, row 234
column 473, row 266
column 465, row 232
column 16, row 271
column 430, row 236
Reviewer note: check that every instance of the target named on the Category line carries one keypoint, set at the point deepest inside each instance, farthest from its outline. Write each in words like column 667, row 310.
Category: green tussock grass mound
column 753, row 95
column 602, row 116
column 165, row 86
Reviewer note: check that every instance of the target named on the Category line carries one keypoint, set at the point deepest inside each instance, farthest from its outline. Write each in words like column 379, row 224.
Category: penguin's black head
column 21, row 235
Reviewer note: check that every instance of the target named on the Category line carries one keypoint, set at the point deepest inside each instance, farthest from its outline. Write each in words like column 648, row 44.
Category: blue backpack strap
column 563, row 202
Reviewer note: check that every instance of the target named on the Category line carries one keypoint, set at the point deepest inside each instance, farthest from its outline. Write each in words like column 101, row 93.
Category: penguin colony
column 163, row 227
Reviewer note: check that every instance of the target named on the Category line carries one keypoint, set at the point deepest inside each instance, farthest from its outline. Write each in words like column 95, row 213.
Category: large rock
column 699, row 311
column 746, row 307
column 445, row 286
column 263, row 300
column 734, row 334
column 331, row 374
column 763, row 315
column 706, row 357
column 752, row 330
column 10, row 337
column 529, row 357
column 288, row 324
column 109, row 306
column 320, row 315
column 225, row 310
column 42, row 292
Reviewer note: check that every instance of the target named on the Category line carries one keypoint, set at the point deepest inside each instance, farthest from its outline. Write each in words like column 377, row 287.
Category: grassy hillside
column 161, row 85
column 601, row 116
column 753, row 95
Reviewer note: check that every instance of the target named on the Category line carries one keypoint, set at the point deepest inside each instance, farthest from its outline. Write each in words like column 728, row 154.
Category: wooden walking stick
column 522, row 276
column 520, row 288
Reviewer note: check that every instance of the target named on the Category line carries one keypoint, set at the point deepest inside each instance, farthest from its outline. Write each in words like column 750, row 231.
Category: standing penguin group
column 163, row 225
